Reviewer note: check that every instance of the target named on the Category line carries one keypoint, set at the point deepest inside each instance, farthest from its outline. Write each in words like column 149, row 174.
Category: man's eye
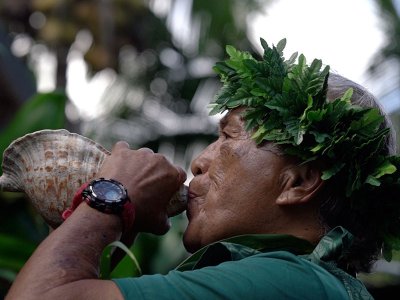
column 225, row 135
column 222, row 134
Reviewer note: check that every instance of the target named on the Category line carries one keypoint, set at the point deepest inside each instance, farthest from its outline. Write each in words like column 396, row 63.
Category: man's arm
column 66, row 263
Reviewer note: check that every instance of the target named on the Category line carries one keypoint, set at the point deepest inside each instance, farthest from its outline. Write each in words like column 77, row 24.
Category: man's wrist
column 126, row 215
column 100, row 220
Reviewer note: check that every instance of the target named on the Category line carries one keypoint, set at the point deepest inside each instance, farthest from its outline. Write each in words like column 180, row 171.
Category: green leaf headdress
column 286, row 103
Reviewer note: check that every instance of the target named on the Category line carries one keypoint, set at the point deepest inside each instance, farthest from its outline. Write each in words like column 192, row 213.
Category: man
column 298, row 181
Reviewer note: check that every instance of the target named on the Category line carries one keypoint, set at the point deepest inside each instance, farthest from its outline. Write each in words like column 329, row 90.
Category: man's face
column 234, row 188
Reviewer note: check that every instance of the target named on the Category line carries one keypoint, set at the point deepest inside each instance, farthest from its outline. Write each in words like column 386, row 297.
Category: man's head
column 308, row 124
column 241, row 187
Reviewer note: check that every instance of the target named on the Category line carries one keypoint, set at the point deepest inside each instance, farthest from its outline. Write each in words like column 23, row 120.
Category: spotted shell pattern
column 50, row 165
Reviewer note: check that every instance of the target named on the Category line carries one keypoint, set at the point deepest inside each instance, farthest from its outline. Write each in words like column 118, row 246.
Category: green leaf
column 369, row 123
column 43, row 111
column 385, row 168
column 347, row 96
column 222, row 68
column 327, row 174
column 237, row 55
column 317, row 148
column 292, row 59
column 259, row 134
column 232, row 52
column 105, row 261
column 264, row 44
column 372, row 181
column 281, row 46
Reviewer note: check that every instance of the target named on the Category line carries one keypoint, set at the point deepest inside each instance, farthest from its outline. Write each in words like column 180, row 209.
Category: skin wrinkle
column 217, row 175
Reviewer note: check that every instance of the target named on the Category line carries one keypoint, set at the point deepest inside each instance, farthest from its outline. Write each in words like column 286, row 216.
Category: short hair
column 338, row 85
column 335, row 210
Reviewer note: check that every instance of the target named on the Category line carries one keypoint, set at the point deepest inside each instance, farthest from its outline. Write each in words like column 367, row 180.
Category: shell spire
column 8, row 184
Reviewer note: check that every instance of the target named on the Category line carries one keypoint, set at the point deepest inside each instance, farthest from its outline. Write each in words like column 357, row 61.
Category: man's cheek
column 217, row 180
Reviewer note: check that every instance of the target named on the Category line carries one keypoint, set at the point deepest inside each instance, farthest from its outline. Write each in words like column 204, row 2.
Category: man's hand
column 66, row 263
column 151, row 181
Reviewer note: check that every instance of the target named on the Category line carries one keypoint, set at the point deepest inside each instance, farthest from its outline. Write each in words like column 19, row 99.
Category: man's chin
column 190, row 243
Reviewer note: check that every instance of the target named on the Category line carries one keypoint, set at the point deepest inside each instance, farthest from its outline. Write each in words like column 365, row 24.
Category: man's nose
column 202, row 162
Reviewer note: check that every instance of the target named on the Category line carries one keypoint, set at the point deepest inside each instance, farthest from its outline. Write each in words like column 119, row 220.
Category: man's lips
column 192, row 196
column 198, row 187
column 198, row 190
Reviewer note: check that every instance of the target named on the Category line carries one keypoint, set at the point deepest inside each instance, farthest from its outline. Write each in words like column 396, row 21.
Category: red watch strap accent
column 127, row 215
column 78, row 199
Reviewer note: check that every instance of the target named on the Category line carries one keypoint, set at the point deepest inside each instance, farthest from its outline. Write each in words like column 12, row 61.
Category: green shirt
column 255, row 267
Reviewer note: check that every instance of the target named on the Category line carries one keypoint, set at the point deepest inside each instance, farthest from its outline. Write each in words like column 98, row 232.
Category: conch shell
column 50, row 165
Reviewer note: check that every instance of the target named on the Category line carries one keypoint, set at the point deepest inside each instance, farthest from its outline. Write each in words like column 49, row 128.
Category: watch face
column 107, row 190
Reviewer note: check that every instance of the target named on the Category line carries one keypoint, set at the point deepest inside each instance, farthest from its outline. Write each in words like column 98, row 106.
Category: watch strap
column 78, row 199
column 128, row 216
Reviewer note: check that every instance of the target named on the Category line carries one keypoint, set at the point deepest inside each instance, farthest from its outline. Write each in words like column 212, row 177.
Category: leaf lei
column 286, row 104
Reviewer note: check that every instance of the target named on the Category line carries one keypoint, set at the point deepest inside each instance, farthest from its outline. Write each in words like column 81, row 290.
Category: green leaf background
column 42, row 111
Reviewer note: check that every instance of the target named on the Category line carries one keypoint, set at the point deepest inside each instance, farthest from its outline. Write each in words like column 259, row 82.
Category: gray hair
column 334, row 209
column 338, row 85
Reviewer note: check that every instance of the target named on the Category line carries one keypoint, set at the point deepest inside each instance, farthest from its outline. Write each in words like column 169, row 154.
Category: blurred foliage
column 16, row 81
column 389, row 10
column 42, row 111
column 388, row 56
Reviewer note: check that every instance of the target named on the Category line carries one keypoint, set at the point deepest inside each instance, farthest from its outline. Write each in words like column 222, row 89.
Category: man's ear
column 299, row 184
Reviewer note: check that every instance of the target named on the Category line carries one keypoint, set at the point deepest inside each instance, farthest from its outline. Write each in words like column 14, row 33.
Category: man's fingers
column 144, row 149
column 181, row 175
column 120, row 145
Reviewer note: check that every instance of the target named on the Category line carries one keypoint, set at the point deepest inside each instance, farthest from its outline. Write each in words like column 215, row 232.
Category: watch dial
column 108, row 191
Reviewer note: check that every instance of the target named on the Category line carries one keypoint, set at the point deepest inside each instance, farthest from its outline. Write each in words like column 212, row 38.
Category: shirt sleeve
column 281, row 275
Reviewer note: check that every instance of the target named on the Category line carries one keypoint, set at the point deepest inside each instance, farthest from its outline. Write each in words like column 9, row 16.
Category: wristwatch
column 106, row 195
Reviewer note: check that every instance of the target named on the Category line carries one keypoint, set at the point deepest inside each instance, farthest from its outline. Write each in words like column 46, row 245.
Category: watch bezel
column 103, row 204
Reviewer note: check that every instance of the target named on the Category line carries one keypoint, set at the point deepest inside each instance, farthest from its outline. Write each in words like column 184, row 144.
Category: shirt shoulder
column 275, row 275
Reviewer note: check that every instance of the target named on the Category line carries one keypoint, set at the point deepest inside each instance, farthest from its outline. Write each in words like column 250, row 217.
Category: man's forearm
column 70, row 253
